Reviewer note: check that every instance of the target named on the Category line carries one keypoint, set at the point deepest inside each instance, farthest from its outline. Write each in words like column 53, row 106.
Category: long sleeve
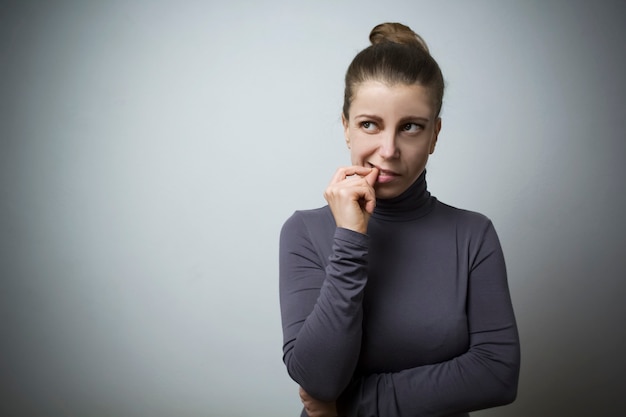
column 486, row 375
column 321, row 305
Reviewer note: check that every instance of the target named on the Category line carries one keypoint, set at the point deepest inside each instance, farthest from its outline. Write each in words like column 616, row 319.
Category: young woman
column 394, row 303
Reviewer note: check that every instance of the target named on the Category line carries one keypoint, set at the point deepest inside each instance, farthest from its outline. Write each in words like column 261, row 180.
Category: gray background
column 150, row 152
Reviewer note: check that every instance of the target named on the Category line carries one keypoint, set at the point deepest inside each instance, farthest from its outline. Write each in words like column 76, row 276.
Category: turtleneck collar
column 413, row 203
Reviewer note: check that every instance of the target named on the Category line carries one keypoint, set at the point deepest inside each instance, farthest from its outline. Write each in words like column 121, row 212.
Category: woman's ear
column 435, row 135
column 346, row 126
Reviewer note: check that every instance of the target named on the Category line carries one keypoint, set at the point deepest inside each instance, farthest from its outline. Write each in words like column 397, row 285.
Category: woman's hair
column 397, row 55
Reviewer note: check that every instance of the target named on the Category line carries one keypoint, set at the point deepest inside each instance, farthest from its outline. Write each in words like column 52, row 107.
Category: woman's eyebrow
column 414, row 119
column 367, row 116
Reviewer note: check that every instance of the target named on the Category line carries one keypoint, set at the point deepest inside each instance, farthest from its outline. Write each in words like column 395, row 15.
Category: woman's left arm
column 484, row 376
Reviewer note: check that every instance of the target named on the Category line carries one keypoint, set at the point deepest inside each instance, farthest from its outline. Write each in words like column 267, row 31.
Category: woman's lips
column 385, row 175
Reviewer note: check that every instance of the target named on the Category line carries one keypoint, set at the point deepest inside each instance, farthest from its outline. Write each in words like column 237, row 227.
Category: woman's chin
column 387, row 190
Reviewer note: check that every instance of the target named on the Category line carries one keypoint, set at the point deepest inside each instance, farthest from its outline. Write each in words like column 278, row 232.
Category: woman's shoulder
column 463, row 216
column 309, row 230
column 312, row 219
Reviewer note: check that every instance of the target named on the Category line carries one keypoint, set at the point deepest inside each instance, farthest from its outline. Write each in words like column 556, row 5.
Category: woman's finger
column 372, row 177
column 345, row 172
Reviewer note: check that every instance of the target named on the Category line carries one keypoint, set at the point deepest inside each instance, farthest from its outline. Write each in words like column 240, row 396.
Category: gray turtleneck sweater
column 413, row 319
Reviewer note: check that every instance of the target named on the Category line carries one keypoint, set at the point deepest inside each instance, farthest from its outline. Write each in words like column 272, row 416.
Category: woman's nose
column 388, row 147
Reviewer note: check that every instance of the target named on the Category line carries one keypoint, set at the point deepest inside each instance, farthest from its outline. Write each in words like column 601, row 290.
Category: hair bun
column 396, row 33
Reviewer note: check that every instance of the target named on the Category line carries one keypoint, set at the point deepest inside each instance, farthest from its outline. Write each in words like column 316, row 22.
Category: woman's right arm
column 321, row 305
column 321, row 308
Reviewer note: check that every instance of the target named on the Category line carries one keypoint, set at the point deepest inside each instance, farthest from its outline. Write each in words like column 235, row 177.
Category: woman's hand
column 316, row 408
column 351, row 197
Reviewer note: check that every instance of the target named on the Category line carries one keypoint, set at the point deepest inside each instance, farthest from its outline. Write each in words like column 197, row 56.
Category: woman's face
column 393, row 128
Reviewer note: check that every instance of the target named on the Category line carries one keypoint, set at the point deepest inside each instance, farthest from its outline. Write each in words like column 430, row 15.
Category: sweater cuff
column 350, row 236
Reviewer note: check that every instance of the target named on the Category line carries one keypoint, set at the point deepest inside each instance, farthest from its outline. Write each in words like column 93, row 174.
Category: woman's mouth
column 385, row 175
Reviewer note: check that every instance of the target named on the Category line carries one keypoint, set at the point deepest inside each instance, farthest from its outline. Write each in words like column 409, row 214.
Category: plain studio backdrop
column 150, row 152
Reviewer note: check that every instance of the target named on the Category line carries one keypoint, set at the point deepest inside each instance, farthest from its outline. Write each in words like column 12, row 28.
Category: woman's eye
column 369, row 126
column 411, row 127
